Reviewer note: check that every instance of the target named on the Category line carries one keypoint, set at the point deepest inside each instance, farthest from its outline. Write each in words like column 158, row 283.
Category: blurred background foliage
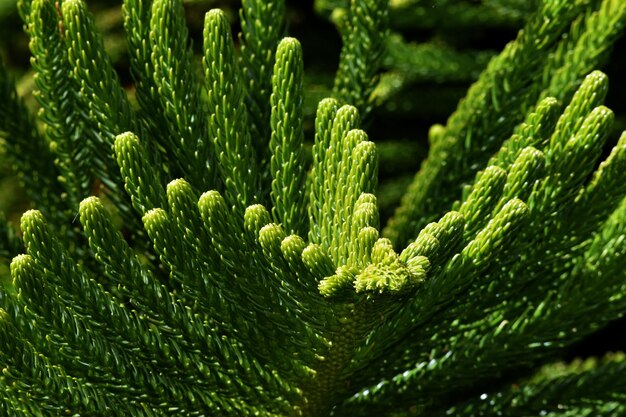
column 435, row 50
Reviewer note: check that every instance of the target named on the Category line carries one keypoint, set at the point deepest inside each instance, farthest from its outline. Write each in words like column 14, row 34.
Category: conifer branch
column 172, row 351
column 141, row 180
column 325, row 117
column 603, row 193
column 228, row 124
column 486, row 192
column 45, row 380
column 178, row 94
column 467, row 133
column 121, row 266
column 535, row 131
column 429, row 61
column 446, row 14
column 484, row 301
column 412, row 63
column 588, row 43
column 262, row 28
column 161, row 305
column 345, row 120
column 58, row 96
column 262, row 286
column 581, row 388
column 100, row 88
column 287, row 139
column 137, row 18
column 24, row 8
column 364, row 35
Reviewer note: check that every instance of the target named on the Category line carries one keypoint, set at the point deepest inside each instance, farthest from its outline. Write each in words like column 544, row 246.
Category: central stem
column 330, row 380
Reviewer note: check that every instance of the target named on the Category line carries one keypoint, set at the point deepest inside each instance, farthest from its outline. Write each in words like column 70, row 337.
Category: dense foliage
column 190, row 255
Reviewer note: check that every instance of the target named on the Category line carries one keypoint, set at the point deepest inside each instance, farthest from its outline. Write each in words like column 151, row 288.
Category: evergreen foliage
column 215, row 273
column 444, row 58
